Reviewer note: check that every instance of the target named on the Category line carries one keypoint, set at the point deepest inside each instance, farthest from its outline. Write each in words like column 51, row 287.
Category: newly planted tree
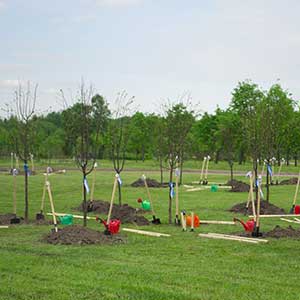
column 23, row 133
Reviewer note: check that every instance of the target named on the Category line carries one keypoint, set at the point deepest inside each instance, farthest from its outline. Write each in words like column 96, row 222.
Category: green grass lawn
column 183, row 266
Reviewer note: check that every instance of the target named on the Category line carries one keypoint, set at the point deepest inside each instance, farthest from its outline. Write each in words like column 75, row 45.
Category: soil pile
column 78, row 235
column 292, row 180
column 5, row 219
column 238, row 186
column 279, row 232
column 125, row 213
column 151, row 183
column 265, row 208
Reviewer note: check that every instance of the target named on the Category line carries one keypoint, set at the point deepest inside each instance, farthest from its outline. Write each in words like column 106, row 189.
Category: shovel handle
column 148, row 193
column 112, row 198
column 52, row 205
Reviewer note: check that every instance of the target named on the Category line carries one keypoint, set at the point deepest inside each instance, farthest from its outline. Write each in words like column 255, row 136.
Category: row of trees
column 257, row 125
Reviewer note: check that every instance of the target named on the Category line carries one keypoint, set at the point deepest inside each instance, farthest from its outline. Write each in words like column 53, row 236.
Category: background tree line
column 257, row 125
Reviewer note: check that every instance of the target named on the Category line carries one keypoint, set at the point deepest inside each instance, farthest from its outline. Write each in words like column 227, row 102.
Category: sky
column 156, row 50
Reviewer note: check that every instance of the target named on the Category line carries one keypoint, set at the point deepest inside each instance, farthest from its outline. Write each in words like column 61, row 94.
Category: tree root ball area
column 277, row 232
column 124, row 212
column 265, row 208
column 79, row 235
column 150, row 182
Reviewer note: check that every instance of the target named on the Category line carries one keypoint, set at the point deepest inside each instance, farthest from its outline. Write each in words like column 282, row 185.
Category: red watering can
column 112, row 227
column 248, row 226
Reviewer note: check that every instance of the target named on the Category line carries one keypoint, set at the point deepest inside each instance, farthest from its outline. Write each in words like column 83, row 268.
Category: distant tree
column 179, row 121
column 23, row 131
column 79, row 122
column 227, row 135
column 118, row 134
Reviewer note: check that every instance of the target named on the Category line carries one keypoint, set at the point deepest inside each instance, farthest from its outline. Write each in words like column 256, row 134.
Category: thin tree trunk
column 170, row 198
column 181, row 167
column 296, row 160
column 84, row 203
column 268, row 187
column 26, row 191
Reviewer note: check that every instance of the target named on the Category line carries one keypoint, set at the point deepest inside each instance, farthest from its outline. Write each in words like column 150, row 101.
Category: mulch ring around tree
column 292, row 180
column 265, row 208
column 79, row 235
column 124, row 212
column 238, row 186
column 278, row 232
column 6, row 220
column 150, row 182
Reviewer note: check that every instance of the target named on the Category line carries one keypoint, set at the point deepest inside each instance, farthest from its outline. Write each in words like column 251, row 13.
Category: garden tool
column 40, row 215
column 155, row 220
column 295, row 196
column 202, row 170
column 52, row 205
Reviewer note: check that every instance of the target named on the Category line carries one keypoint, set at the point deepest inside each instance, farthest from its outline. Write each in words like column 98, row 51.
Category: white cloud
column 118, row 3
column 9, row 83
column 2, row 4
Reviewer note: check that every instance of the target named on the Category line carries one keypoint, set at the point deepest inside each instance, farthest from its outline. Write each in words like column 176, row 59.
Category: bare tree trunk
column 181, row 167
column 268, row 187
column 84, row 203
column 231, row 170
column 170, row 198
column 161, row 170
column 26, row 191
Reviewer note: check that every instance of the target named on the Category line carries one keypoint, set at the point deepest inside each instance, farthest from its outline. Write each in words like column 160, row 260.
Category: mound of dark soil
column 265, row 208
column 238, row 186
column 292, row 180
column 125, row 213
column 279, row 232
column 78, row 235
column 150, row 182
column 5, row 219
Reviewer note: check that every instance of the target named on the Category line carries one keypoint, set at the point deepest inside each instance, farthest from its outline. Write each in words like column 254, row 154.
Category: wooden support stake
column 150, row 233
column 148, row 193
column 44, row 192
column 192, row 221
column 74, row 216
column 93, row 183
column 183, row 221
column 202, row 169
column 3, row 227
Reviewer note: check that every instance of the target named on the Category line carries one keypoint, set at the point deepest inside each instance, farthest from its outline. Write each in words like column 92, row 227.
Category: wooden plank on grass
column 290, row 221
column 231, row 238
column 217, row 222
column 150, row 233
column 74, row 216
column 3, row 227
column 243, row 237
column 276, row 216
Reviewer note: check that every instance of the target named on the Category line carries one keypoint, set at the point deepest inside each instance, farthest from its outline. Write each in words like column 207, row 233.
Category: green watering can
column 66, row 220
column 145, row 204
column 214, row 188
